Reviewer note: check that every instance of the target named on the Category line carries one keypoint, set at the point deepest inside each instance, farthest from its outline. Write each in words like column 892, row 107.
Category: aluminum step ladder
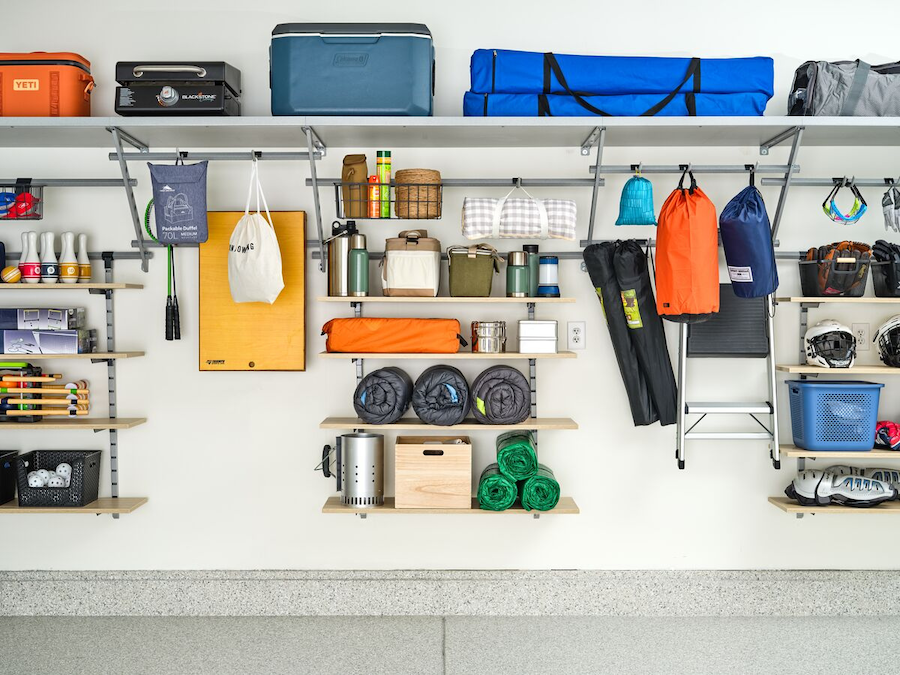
column 743, row 328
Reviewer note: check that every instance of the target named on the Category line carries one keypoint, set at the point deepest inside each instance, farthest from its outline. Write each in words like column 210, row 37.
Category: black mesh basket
column 83, row 487
column 21, row 200
column 886, row 279
column 827, row 278
column 7, row 475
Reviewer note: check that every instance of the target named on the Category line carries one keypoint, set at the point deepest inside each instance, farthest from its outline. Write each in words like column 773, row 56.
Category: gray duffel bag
column 846, row 89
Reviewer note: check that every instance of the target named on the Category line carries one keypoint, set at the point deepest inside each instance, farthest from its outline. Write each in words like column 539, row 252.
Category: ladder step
column 728, row 408
column 729, row 435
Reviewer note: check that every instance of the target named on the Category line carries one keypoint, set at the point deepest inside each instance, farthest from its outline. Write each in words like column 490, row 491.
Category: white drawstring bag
column 254, row 258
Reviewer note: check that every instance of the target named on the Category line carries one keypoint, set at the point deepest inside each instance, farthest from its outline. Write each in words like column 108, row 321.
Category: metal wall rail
column 96, row 255
column 562, row 255
column 244, row 156
column 70, row 182
column 831, row 182
column 488, row 182
column 696, row 168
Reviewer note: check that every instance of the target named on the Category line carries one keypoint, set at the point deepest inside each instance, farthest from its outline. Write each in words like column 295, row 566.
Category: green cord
column 169, row 248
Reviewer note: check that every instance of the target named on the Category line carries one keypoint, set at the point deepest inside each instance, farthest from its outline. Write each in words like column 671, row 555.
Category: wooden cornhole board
column 253, row 335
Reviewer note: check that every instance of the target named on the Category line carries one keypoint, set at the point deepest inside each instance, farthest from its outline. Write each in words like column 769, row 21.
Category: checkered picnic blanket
column 519, row 219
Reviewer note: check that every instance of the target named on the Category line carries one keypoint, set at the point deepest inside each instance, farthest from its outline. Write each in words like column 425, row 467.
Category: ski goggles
column 830, row 207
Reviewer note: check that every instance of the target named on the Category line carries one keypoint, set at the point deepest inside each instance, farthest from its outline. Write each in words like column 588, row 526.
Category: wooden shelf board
column 841, row 301
column 92, row 423
column 856, row 370
column 566, row 506
column 447, row 357
column 790, row 506
column 48, row 357
column 68, row 287
column 102, row 505
column 800, row 453
column 448, row 300
column 469, row 424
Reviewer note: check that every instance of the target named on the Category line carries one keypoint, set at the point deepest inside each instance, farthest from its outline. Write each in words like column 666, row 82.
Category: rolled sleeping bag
column 496, row 492
column 501, row 395
column 541, row 491
column 517, row 455
column 383, row 396
column 441, row 396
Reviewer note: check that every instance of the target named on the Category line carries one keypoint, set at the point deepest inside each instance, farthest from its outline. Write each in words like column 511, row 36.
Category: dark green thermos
column 359, row 266
column 531, row 250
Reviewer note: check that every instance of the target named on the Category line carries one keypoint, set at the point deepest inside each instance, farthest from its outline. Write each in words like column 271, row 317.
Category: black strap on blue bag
column 551, row 65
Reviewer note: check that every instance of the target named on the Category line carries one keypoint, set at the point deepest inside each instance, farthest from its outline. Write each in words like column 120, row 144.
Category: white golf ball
column 64, row 470
column 44, row 475
column 57, row 482
column 35, row 481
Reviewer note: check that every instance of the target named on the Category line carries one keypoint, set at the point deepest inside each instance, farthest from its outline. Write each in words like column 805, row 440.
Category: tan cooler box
column 433, row 472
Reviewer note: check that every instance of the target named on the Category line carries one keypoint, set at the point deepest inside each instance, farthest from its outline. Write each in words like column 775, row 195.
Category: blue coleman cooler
column 352, row 69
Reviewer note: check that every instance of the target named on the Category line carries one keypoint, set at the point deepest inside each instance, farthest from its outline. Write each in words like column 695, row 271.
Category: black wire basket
column 403, row 201
column 831, row 278
column 84, row 485
column 7, row 475
column 886, row 279
column 21, row 200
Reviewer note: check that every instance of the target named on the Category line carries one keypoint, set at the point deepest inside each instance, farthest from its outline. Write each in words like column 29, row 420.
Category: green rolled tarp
column 541, row 491
column 496, row 492
column 517, row 455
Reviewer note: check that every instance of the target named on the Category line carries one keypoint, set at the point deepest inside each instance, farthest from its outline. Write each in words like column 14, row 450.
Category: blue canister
column 548, row 277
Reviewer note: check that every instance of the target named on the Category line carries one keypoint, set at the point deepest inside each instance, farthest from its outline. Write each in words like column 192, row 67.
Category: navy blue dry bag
column 747, row 240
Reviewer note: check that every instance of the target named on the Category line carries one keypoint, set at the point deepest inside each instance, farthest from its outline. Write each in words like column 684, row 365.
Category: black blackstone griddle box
column 175, row 88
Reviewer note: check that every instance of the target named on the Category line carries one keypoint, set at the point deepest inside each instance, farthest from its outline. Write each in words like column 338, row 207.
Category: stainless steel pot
column 489, row 337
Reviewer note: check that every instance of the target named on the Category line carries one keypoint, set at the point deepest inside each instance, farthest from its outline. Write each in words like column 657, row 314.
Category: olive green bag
column 472, row 270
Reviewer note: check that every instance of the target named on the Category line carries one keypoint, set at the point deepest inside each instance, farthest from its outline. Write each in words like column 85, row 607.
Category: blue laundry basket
column 831, row 415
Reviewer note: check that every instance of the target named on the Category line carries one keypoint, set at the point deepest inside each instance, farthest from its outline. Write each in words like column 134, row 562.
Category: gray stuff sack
column 179, row 200
column 845, row 89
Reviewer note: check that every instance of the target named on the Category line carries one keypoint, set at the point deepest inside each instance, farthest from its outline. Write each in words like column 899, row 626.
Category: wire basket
column 84, row 486
column 7, row 475
column 830, row 278
column 409, row 201
column 21, row 200
column 886, row 279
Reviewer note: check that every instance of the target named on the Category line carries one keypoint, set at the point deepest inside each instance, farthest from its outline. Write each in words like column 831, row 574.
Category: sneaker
column 891, row 476
column 819, row 488
column 843, row 470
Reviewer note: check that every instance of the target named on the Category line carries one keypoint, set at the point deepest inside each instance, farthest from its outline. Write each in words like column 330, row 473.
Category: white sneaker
column 819, row 488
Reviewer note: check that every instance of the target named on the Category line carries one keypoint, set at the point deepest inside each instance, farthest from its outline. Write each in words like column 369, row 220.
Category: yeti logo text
column 350, row 59
column 241, row 249
column 26, row 85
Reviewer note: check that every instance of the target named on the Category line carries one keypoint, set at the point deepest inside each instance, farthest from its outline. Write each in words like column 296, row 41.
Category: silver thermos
column 360, row 469
column 339, row 258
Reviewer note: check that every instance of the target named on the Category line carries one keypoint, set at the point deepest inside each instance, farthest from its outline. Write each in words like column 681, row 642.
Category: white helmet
column 830, row 344
column 888, row 340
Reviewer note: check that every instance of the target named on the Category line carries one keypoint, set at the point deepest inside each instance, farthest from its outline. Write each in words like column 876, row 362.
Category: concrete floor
column 447, row 646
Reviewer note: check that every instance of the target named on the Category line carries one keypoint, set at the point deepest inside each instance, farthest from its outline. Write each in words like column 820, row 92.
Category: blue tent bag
column 636, row 203
column 747, row 240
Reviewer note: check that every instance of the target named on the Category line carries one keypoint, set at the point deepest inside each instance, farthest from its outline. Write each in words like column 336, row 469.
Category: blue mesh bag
column 747, row 240
column 636, row 203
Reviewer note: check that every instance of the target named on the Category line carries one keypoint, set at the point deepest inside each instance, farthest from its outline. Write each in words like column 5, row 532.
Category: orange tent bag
column 687, row 249
column 393, row 336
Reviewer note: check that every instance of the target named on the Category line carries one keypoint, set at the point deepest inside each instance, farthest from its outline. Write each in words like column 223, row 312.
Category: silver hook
column 852, row 182
column 844, row 182
column 518, row 181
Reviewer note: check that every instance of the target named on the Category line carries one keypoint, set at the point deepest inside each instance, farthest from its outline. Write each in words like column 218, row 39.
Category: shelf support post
column 111, row 376
column 680, row 433
column 775, row 454
column 118, row 136
column 601, row 139
column 314, row 144
column 797, row 133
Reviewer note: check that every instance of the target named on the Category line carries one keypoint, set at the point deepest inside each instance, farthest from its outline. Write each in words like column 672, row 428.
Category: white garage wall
column 227, row 459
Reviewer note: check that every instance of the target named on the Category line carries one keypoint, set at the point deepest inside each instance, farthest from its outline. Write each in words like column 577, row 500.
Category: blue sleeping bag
column 747, row 240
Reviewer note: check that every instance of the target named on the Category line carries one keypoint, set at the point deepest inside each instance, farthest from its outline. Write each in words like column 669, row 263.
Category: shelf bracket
column 111, row 377
column 797, row 133
column 118, row 137
column 590, row 140
column 598, row 181
column 765, row 146
column 128, row 138
column 314, row 144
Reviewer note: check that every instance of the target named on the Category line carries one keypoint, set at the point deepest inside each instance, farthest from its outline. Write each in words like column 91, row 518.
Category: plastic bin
column 7, row 475
column 847, row 280
column 886, row 279
column 83, row 488
column 830, row 415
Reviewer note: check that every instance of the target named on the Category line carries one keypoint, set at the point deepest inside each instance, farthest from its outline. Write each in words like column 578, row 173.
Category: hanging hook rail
column 831, row 182
column 696, row 168
column 214, row 156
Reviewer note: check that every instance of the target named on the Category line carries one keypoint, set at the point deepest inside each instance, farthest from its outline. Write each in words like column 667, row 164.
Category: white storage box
column 538, row 337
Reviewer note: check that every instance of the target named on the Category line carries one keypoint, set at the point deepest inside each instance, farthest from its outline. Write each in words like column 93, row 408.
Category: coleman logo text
column 26, row 85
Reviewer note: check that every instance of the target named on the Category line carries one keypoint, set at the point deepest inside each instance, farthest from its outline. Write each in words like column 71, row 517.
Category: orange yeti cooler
column 45, row 84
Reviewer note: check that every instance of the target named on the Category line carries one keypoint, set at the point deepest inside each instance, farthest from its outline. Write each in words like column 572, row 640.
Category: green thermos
column 517, row 275
column 531, row 250
column 358, row 266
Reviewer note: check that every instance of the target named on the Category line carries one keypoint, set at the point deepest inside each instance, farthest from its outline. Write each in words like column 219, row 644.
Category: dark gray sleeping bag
column 441, row 396
column 501, row 395
column 383, row 396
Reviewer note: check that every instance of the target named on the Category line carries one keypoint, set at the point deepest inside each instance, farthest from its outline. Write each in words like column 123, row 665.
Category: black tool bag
column 846, row 89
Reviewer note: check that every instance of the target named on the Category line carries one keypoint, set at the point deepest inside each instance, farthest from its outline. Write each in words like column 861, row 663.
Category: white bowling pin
column 84, row 263
column 32, row 272
column 68, row 263
column 49, row 266
column 24, row 256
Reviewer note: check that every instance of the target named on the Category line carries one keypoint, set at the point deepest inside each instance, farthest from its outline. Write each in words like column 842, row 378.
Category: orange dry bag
column 687, row 249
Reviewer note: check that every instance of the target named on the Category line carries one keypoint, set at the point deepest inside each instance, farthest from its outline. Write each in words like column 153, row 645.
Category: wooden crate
column 433, row 472
column 253, row 335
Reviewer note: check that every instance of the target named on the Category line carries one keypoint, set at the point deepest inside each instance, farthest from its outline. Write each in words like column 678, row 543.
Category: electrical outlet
column 577, row 334
column 861, row 332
